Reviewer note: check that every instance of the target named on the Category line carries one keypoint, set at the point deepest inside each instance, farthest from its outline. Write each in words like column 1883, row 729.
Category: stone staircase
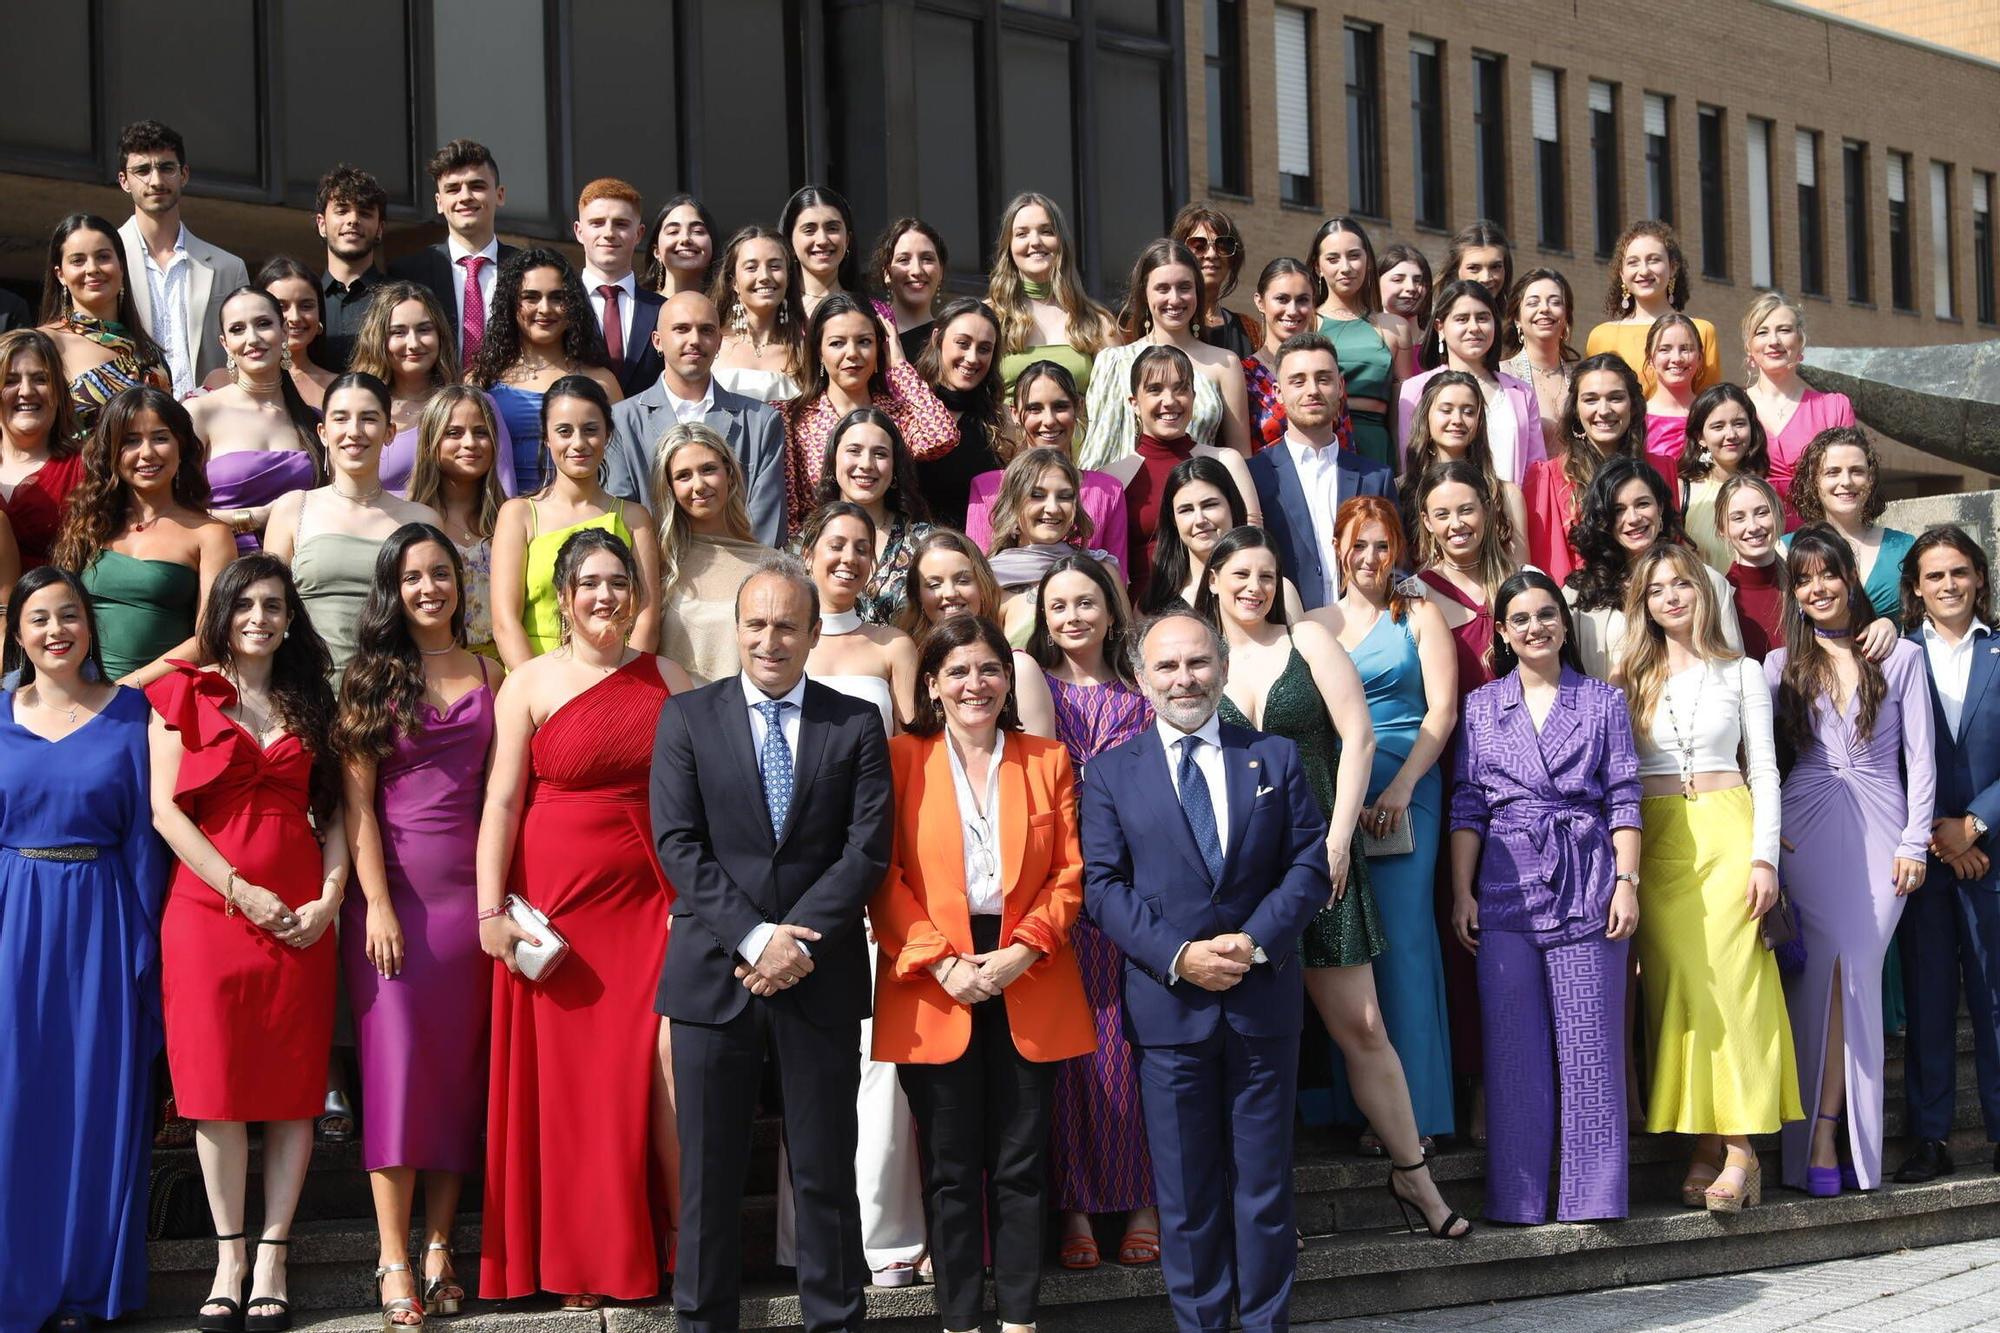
column 1357, row 1260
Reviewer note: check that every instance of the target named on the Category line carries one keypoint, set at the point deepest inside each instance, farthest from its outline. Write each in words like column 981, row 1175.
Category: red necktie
column 614, row 326
column 473, row 321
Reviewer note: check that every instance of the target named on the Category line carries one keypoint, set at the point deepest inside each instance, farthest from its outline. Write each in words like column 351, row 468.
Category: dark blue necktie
column 774, row 763
column 1199, row 808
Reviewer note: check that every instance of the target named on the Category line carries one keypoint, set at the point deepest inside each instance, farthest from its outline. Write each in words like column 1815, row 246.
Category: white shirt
column 489, row 275
column 169, row 288
column 984, row 895
column 690, row 409
column 1701, row 706
column 752, row 946
column 1207, row 758
column 628, row 302
column 1319, row 478
column 1951, row 667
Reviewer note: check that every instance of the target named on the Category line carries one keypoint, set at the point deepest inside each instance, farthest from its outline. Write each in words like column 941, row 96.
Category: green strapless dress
column 143, row 607
column 1349, row 932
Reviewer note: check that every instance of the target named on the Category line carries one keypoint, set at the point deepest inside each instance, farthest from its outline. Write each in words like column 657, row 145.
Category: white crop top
column 1703, row 702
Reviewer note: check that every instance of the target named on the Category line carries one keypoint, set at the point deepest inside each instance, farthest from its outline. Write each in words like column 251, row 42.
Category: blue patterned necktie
column 774, row 763
column 1199, row 807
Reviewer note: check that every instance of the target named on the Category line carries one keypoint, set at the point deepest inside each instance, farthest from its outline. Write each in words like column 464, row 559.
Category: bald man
column 687, row 337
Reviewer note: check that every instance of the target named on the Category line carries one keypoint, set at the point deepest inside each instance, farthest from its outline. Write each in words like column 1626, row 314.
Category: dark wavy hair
column 301, row 694
column 819, row 196
column 1805, row 475
column 904, row 495
column 1617, row 303
column 984, row 404
column 15, row 657
column 582, row 344
column 56, row 298
column 1955, row 538
column 1244, row 538
column 1808, row 674
column 1580, row 458
column 1371, row 282
column 655, row 274
column 812, row 370
column 940, row 642
column 1511, row 338
column 305, row 421
column 1482, row 234
column 382, row 694
column 1695, row 462
column 1135, row 316
column 1603, row 566
column 100, row 506
column 1530, row 580
column 1172, row 565
column 1042, row 645
column 885, row 250
column 1432, row 351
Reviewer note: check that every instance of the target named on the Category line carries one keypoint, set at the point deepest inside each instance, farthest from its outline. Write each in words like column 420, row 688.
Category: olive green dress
column 1349, row 932
column 143, row 608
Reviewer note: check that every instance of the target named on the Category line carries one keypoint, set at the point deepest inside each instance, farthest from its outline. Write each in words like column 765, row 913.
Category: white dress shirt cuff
column 1174, row 969
column 753, row 944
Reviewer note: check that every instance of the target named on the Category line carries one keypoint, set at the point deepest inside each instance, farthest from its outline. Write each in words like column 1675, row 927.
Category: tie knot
column 471, row 263
column 609, row 291
column 1190, row 746
column 771, row 710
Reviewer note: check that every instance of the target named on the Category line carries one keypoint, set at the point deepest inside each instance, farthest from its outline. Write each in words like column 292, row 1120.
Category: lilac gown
column 1849, row 811
column 422, row 1033
column 250, row 479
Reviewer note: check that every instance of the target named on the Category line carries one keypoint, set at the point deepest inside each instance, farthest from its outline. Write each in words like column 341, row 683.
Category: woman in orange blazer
column 978, row 994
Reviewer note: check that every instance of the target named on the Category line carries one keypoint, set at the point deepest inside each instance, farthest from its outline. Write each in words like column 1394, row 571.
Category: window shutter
column 1807, row 151
column 1600, row 96
column 1656, row 115
column 1896, row 184
column 1294, row 96
column 1542, row 94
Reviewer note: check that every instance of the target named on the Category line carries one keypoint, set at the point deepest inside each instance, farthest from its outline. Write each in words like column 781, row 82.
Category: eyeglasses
column 1520, row 622
column 1226, row 246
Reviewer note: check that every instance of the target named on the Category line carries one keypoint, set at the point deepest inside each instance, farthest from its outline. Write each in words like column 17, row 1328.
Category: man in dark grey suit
column 774, row 829
column 688, row 336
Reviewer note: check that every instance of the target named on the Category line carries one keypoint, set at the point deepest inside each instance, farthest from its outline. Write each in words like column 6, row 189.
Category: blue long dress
column 1409, row 974
column 80, row 1010
column 521, row 420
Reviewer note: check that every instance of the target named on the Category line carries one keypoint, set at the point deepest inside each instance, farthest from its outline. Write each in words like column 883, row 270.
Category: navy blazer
column 1301, row 551
column 432, row 267
column 753, row 429
column 1968, row 769
column 1146, row 886
column 642, row 363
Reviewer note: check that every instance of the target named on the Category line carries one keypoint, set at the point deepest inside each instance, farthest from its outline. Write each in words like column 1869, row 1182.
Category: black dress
column 946, row 481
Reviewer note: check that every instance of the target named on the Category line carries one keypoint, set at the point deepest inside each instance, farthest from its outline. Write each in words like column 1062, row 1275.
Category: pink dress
column 1101, row 497
column 1666, row 439
column 1816, row 412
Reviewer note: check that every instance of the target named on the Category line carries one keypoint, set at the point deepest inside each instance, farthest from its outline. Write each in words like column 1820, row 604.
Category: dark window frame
column 1361, row 46
column 1294, row 190
column 1607, row 204
column 1983, row 294
column 1489, row 136
column 1429, row 166
column 1812, row 222
column 1659, row 160
column 1902, row 245
column 1712, row 169
column 1860, row 255
column 1223, row 96
column 1551, row 179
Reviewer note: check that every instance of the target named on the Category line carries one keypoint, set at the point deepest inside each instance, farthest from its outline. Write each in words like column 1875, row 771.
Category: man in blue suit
column 1304, row 478
column 1204, row 857
column 1951, row 926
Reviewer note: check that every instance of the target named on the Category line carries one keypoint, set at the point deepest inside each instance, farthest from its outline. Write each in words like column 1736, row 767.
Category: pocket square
column 1262, row 792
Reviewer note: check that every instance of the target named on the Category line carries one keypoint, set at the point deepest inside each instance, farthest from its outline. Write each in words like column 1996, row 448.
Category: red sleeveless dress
column 572, row 1201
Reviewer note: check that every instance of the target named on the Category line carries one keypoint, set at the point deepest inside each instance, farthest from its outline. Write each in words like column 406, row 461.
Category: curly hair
column 101, row 505
column 904, row 495
column 16, row 343
column 1617, row 301
column 1023, row 471
column 1805, row 474
column 1603, row 566
column 371, row 341
column 1135, row 316
column 1580, row 457
column 1422, row 449
column 352, row 186
column 382, row 694
column 150, row 136
column 676, row 533
column 1173, row 563
column 427, row 481
column 582, row 344
column 1007, row 293
column 1756, row 456
column 1042, row 645
column 1808, row 675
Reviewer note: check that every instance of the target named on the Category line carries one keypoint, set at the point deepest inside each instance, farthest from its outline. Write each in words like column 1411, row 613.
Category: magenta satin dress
column 1816, row 412
column 422, row 1033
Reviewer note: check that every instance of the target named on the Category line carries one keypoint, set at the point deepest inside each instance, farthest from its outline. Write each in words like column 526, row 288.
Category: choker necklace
column 276, row 388
column 360, row 499
column 439, row 652
column 839, row 622
column 1833, row 633
column 1036, row 291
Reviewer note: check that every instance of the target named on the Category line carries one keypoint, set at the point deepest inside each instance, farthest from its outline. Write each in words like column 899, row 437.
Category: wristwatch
column 1627, row 877
column 1978, row 825
column 1257, row 954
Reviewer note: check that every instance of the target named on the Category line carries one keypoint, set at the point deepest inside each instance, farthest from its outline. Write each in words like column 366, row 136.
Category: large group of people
column 494, row 708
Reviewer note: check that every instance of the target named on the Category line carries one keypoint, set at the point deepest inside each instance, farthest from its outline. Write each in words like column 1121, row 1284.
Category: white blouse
column 983, row 895
column 1704, row 712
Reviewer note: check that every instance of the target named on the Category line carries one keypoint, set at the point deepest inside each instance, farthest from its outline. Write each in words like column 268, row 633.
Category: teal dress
column 1369, row 368
column 144, row 608
column 1885, row 596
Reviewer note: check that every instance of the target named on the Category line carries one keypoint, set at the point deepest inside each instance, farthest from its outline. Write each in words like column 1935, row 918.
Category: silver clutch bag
column 1398, row 842
column 536, row 961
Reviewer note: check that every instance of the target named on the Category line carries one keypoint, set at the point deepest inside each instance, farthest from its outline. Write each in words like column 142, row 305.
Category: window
column 1982, row 246
column 1714, row 183
column 1659, row 158
column 1489, row 137
column 1604, row 164
column 947, row 87
column 1944, row 263
column 1812, row 218
column 1551, row 203
column 1854, row 170
column 1364, row 120
column 1757, row 163
column 1222, row 38
column 1427, row 130
column 1293, row 87
column 1900, row 278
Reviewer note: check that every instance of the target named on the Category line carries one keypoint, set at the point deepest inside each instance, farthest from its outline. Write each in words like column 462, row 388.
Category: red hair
column 609, row 187
column 1359, row 512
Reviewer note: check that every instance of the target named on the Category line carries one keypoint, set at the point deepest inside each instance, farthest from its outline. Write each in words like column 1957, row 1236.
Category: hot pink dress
column 1816, row 412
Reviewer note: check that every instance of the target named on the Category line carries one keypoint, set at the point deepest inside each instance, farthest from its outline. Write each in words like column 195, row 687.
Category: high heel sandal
column 1694, row 1191
column 268, row 1323
column 1748, row 1195
column 400, row 1304
column 1079, row 1253
column 442, row 1294
column 1443, row 1231
column 231, row 1321
column 1823, row 1182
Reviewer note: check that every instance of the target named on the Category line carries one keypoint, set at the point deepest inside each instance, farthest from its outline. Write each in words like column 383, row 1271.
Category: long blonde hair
column 427, row 486
column 1087, row 319
column 1641, row 669
column 676, row 533
column 371, row 341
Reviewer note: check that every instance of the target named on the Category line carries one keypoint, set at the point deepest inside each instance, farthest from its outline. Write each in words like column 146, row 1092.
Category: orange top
column 920, row 914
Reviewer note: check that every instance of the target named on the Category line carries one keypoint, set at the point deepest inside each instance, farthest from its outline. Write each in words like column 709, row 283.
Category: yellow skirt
column 1715, row 1007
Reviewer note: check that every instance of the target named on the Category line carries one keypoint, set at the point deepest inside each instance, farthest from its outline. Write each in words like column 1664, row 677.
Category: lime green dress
column 1075, row 362
column 143, row 607
column 538, row 612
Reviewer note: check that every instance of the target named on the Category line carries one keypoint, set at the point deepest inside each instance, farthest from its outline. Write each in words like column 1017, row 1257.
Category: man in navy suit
column 1951, row 926
column 1204, row 857
column 608, row 227
column 462, row 269
column 1304, row 478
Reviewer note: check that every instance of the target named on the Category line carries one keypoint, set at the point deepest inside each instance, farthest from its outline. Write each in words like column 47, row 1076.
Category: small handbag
column 536, row 961
column 1399, row 841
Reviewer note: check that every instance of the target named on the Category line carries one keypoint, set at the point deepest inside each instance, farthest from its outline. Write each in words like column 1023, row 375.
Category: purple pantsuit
column 1551, row 986
column 422, row 1033
column 1850, row 810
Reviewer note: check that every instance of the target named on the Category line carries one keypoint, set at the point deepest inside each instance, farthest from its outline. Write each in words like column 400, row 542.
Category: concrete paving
column 1942, row 1289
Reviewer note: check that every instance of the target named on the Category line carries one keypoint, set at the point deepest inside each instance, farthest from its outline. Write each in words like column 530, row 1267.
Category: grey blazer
column 754, row 431
column 215, row 274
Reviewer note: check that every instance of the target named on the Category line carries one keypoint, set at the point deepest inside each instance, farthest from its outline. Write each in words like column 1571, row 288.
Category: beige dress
column 698, row 624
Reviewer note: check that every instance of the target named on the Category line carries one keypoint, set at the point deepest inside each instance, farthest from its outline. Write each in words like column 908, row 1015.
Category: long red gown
column 572, row 1201
column 1550, row 501
column 249, row 1020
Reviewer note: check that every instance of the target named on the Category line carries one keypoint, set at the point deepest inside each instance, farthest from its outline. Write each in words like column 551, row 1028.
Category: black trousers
column 717, row 1070
column 983, row 1133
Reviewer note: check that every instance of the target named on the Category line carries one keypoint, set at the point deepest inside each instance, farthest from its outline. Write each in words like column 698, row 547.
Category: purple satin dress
column 251, row 479
column 422, row 1033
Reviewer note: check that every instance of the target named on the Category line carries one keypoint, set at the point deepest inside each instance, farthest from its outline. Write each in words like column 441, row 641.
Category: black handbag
column 176, row 1204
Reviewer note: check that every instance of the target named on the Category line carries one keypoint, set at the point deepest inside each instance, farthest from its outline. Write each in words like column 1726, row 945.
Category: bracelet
column 229, row 894
column 488, row 913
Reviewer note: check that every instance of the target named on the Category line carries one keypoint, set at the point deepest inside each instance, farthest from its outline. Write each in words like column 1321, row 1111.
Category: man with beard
column 348, row 211
column 1204, row 857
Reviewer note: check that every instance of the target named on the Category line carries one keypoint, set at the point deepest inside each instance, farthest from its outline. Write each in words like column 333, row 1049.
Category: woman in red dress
column 1604, row 415
column 246, row 793
column 581, row 1159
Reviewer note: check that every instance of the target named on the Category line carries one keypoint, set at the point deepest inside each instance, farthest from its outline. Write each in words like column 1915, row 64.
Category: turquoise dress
column 1409, row 974
column 1369, row 368
column 1884, row 584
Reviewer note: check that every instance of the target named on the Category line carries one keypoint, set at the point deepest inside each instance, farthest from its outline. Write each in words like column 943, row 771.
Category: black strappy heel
column 231, row 1321
column 268, row 1323
column 1442, row 1232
